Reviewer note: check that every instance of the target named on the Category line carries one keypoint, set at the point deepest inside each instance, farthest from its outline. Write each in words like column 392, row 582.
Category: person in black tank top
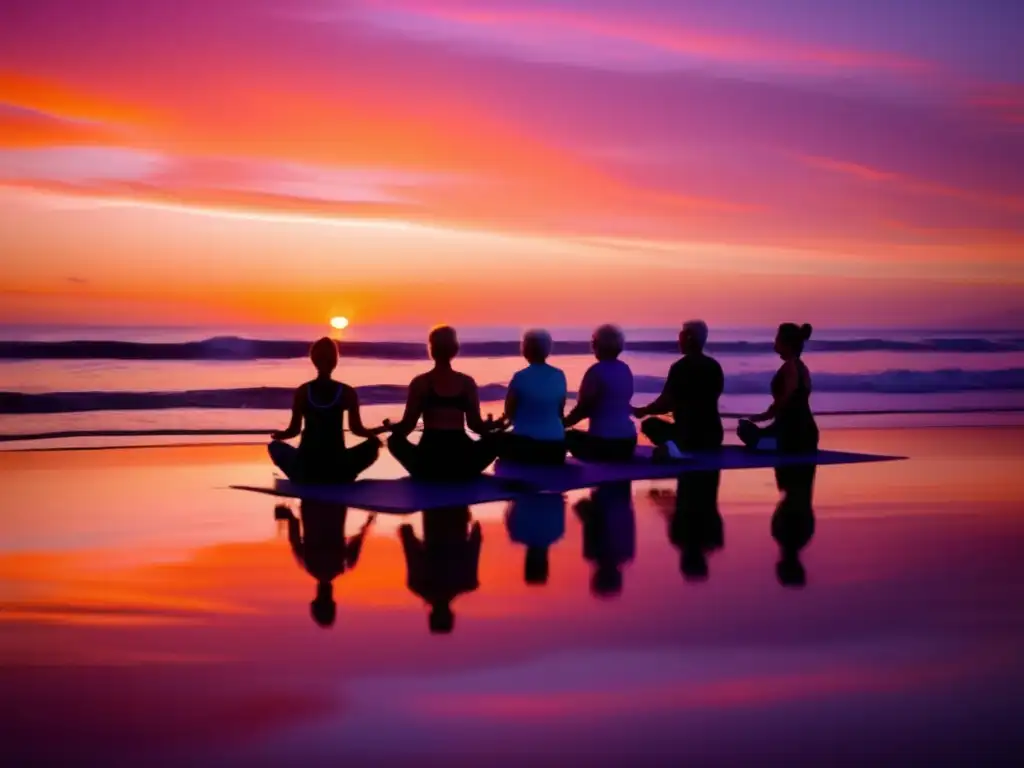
column 318, row 410
column 792, row 427
column 692, row 389
column 448, row 402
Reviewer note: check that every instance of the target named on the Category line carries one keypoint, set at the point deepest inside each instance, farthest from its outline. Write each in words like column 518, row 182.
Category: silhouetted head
column 693, row 337
column 323, row 608
column 693, row 564
column 608, row 342
column 536, row 345
column 536, row 565
column 790, row 571
column 441, row 620
column 606, row 581
column 324, row 354
column 443, row 344
column 790, row 339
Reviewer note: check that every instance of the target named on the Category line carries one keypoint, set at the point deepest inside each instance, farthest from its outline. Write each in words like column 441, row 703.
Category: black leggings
column 343, row 468
column 587, row 447
column 526, row 450
column 443, row 454
column 796, row 440
column 660, row 431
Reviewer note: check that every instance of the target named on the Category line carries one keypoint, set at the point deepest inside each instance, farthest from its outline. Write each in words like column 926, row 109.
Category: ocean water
column 218, row 383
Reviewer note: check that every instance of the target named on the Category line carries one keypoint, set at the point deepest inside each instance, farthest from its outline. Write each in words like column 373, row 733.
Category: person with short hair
column 448, row 401
column 792, row 428
column 694, row 385
column 534, row 406
column 604, row 396
column 318, row 411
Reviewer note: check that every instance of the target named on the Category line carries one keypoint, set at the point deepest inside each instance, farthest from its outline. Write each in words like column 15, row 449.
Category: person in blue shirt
column 534, row 407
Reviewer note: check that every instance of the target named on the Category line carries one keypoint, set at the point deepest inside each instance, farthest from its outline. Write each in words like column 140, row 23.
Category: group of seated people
column 534, row 427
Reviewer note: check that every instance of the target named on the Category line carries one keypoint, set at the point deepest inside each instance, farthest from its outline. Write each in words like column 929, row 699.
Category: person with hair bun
column 792, row 428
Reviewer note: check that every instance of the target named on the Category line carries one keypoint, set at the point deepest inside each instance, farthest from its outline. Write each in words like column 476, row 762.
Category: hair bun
column 805, row 331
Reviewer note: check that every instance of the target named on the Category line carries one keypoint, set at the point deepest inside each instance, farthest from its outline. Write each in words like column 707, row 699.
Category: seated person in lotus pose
column 320, row 405
column 793, row 429
column 448, row 401
column 604, row 396
column 691, row 393
column 534, row 406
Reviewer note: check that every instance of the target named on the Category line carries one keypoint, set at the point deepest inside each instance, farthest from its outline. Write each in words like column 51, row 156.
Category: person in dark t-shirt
column 691, row 393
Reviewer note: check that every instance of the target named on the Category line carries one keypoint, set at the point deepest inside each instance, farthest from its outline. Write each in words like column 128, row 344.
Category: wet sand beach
column 149, row 614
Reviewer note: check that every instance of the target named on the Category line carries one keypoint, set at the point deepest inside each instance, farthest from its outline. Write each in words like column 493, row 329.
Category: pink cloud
column 552, row 29
column 1012, row 203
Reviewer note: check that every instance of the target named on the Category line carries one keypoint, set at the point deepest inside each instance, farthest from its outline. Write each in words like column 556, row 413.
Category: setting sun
column 339, row 323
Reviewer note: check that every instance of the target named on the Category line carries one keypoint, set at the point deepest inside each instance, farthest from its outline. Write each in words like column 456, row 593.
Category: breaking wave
column 236, row 348
column 948, row 380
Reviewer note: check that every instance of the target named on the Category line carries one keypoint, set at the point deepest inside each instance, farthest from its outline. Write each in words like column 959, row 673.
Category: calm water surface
column 148, row 615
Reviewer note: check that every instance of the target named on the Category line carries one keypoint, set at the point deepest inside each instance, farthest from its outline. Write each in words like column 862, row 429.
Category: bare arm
column 662, row 403
column 295, row 425
column 355, row 419
column 511, row 400
column 295, row 539
column 474, row 420
column 790, row 383
column 355, row 545
column 413, row 409
column 585, row 402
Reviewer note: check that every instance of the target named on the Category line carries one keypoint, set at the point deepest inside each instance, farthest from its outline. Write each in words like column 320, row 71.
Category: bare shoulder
column 349, row 395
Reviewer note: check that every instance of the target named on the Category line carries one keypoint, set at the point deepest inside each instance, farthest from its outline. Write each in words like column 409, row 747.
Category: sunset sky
column 850, row 162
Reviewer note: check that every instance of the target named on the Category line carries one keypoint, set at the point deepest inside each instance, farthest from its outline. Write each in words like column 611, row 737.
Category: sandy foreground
column 148, row 613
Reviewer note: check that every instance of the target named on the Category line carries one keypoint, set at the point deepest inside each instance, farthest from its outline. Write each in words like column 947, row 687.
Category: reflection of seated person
column 609, row 535
column 445, row 563
column 793, row 522
column 537, row 521
column 320, row 547
column 695, row 526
